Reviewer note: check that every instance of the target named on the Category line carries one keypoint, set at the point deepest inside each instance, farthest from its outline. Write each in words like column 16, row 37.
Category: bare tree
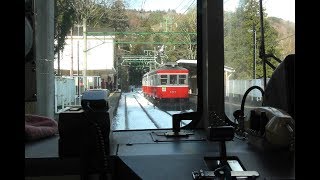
column 89, row 12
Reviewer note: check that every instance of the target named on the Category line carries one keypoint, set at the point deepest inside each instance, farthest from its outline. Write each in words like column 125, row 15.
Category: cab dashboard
column 149, row 154
column 135, row 155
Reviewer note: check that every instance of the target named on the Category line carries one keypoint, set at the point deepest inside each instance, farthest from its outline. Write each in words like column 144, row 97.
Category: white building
column 191, row 64
column 100, row 58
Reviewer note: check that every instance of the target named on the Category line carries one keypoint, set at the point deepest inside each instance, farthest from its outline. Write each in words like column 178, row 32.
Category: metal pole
column 118, row 75
column 71, row 69
column 255, row 52
column 262, row 48
column 58, row 73
column 78, row 69
column 85, row 52
column 253, row 36
column 166, row 24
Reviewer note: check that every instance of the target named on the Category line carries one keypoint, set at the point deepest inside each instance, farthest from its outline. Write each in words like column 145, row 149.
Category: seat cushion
column 38, row 127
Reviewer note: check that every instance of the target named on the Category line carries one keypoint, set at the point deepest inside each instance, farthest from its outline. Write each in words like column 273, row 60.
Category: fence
column 239, row 87
column 65, row 93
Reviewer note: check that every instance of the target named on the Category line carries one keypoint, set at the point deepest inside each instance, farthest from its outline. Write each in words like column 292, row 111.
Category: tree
column 117, row 17
column 187, row 24
column 88, row 12
column 286, row 38
column 239, row 40
column 64, row 20
column 184, row 24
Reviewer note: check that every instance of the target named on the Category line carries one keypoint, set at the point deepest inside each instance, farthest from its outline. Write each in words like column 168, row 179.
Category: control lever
column 201, row 174
column 222, row 134
column 176, row 118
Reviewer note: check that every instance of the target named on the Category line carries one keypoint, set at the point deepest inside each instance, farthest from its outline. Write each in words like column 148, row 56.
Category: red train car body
column 169, row 82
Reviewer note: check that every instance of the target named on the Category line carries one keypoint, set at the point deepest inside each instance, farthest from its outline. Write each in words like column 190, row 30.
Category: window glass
column 182, row 79
column 173, row 79
column 163, row 79
column 124, row 42
column 242, row 44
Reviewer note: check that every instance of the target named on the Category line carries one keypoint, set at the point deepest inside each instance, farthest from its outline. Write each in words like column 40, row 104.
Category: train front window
column 163, row 79
column 182, row 79
column 141, row 51
column 173, row 79
column 242, row 45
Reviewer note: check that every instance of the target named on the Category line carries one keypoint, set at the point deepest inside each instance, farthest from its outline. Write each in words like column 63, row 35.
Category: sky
column 179, row 5
column 284, row 9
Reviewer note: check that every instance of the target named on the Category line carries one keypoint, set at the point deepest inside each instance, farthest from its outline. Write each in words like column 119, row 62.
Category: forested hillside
column 286, row 35
column 170, row 36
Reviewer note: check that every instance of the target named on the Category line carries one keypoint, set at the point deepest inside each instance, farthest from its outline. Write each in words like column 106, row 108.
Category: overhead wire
column 184, row 13
column 179, row 5
column 187, row 6
column 184, row 6
column 282, row 39
column 143, row 3
column 285, row 38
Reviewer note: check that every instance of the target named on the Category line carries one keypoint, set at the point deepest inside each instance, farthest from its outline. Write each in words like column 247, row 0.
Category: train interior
column 214, row 142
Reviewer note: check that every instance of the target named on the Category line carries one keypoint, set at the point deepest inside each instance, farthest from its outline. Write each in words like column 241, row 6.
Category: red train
column 167, row 83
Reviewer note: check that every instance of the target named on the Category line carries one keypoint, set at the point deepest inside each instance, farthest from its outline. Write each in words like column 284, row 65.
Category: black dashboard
column 136, row 155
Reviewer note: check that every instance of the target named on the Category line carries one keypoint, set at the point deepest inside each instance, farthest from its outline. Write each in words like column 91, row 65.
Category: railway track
column 183, row 123
column 165, row 111
column 149, row 116
column 141, row 113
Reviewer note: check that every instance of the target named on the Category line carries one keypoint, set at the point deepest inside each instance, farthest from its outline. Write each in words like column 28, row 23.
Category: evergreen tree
column 186, row 23
column 64, row 20
column 239, row 41
column 117, row 17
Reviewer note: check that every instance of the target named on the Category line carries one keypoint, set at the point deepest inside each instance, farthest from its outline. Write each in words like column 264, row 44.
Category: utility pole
column 78, row 68
column 85, row 52
column 118, row 75
column 254, row 51
column 58, row 73
column 168, row 21
column 254, row 59
column 262, row 52
column 78, row 60
column 155, row 58
column 71, row 69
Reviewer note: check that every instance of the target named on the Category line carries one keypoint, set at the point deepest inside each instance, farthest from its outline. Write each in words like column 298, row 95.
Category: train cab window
column 136, row 58
column 183, row 79
column 163, row 79
column 242, row 46
column 173, row 79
